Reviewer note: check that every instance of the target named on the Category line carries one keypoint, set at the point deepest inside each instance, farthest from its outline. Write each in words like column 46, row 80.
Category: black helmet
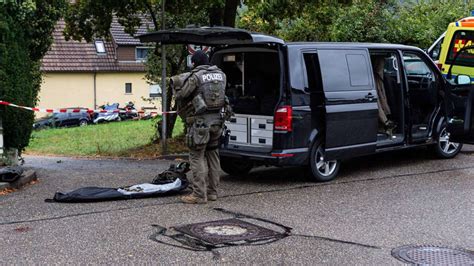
column 199, row 58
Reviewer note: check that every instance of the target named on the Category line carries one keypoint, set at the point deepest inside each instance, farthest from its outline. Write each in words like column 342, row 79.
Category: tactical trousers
column 205, row 165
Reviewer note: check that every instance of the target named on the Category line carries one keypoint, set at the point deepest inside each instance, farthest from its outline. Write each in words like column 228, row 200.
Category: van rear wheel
column 236, row 167
column 322, row 170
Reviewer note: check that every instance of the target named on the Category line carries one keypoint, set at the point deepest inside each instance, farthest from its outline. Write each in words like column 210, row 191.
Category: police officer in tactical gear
column 200, row 98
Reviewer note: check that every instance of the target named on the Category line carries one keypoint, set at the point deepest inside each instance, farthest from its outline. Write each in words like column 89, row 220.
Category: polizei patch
column 212, row 77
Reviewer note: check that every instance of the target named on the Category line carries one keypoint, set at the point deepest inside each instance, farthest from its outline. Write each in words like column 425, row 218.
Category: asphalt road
column 376, row 204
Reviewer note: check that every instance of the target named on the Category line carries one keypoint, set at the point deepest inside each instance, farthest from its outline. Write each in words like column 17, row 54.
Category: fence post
column 1, row 138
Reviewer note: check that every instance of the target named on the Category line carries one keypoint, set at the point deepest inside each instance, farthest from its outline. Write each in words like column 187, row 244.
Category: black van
column 314, row 104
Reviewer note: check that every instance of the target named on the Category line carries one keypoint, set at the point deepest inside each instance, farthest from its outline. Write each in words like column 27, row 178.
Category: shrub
column 19, row 82
column 25, row 36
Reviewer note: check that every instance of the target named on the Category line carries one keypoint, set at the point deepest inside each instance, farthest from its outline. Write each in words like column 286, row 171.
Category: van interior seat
column 394, row 95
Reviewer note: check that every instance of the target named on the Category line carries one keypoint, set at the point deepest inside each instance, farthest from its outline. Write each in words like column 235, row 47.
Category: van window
column 358, row 69
column 345, row 70
column 295, row 68
column 423, row 90
column 60, row 115
column 313, row 72
column 460, row 39
column 416, row 67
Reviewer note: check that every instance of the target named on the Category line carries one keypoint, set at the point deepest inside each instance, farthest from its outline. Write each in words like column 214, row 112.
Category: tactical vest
column 209, row 95
column 211, row 90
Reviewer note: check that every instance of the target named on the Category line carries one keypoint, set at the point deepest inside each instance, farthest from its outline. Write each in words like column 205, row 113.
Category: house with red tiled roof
column 81, row 74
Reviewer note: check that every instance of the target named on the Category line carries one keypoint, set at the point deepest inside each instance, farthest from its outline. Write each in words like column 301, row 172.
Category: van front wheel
column 322, row 170
column 444, row 147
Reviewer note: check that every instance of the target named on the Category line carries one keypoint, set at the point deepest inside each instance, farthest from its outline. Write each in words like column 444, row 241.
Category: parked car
column 43, row 123
column 63, row 120
column 316, row 104
column 111, row 114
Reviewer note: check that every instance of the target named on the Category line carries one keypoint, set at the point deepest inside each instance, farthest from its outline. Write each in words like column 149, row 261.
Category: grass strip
column 122, row 139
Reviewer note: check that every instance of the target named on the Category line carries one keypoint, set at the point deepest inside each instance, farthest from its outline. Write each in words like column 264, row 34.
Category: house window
column 128, row 88
column 100, row 47
column 155, row 90
column 141, row 53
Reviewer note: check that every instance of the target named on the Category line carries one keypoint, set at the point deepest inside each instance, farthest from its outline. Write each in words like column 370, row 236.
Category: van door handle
column 370, row 96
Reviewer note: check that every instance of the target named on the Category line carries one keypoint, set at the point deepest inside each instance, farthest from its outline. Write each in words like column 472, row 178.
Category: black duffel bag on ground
column 10, row 173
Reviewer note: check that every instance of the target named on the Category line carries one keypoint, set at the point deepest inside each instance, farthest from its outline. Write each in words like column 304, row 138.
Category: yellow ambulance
column 458, row 35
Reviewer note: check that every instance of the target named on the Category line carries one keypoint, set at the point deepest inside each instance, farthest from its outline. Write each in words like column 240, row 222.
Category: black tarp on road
column 96, row 194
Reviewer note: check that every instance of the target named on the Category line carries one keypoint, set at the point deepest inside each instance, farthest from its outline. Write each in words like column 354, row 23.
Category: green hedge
column 19, row 81
column 25, row 36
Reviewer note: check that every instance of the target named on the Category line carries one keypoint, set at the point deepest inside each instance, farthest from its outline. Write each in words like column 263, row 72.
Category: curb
column 170, row 157
column 24, row 179
column 4, row 185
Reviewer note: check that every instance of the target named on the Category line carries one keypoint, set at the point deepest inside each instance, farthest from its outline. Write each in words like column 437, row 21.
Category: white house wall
column 61, row 90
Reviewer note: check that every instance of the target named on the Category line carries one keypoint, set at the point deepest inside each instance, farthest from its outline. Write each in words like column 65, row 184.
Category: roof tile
column 122, row 38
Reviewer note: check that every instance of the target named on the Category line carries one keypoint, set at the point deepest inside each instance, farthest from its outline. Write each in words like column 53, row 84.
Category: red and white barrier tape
column 79, row 110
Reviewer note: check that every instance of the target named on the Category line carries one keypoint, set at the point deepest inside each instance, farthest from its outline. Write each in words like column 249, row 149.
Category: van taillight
column 440, row 66
column 283, row 118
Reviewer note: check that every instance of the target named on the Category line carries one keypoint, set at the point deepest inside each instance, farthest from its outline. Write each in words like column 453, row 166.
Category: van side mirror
column 463, row 80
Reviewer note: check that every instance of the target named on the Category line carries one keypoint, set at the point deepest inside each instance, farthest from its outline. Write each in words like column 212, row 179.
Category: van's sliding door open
column 350, row 102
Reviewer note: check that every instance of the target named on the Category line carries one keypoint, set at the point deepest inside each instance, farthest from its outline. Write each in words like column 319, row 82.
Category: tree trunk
column 224, row 16
column 215, row 16
column 230, row 12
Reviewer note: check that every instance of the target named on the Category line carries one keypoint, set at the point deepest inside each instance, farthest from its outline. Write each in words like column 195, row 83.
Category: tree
column 293, row 20
column 25, row 36
column 364, row 21
column 87, row 19
column 416, row 23
column 421, row 23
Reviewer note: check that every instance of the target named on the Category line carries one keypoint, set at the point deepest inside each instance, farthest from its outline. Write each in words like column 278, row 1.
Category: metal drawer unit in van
column 238, row 126
column 251, row 130
column 261, row 130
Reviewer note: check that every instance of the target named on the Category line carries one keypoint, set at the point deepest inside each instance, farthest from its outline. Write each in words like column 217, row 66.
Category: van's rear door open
column 211, row 36
column 350, row 102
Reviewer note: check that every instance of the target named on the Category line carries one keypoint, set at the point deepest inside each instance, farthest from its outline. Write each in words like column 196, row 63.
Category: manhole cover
column 227, row 231
column 433, row 255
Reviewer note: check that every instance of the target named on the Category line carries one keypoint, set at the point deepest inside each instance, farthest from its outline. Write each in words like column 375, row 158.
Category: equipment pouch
column 201, row 136
column 197, row 136
column 227, row 112
column 189, row 138
column 199, row 105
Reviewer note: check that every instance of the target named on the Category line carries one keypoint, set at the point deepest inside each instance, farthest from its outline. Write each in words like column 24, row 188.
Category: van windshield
column 460, row 39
